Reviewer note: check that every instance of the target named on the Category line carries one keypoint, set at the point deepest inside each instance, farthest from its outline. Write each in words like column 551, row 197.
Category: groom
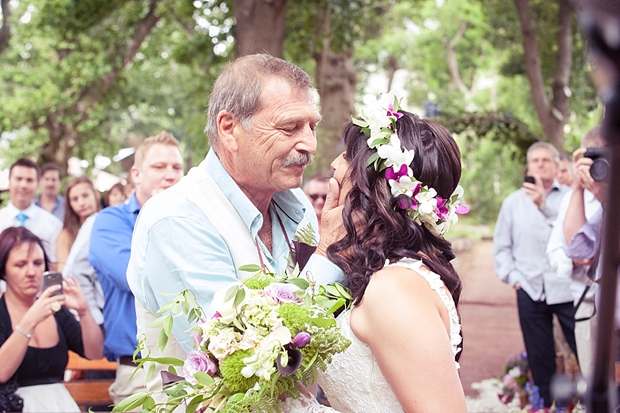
column 242, row 204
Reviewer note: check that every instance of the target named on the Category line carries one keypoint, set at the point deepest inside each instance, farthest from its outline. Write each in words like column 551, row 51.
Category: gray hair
column 238, row 89
column 544, row 145
column 593, row 138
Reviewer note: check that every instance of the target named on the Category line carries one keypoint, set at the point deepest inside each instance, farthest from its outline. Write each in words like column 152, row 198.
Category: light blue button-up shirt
column 520, row 244
column 179, row 248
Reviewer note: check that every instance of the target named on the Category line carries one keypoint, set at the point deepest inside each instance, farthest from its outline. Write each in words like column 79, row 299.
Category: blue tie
column 22, row 218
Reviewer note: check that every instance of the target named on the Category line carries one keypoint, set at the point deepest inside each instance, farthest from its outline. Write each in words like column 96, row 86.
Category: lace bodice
column 353, row 381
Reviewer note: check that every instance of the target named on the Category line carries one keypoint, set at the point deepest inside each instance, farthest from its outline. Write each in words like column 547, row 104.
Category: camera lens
column 599, row 170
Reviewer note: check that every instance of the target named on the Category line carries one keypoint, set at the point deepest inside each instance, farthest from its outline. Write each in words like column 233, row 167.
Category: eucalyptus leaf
column 299, row 282
column 204, row 378
column 250, row 268
column 131, row 402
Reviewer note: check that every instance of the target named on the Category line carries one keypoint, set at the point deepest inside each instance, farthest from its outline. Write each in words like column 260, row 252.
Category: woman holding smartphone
column 37, row 330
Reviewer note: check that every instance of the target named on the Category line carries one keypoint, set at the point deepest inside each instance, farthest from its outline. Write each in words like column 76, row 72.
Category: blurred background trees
column 87, row 78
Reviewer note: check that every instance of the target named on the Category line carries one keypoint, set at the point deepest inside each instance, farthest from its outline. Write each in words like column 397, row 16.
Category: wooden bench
column 89, row 393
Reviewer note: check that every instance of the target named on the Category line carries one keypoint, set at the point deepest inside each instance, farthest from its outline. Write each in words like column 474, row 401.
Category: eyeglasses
column 314, row 197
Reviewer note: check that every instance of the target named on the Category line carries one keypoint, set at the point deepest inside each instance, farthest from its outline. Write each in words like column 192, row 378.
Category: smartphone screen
column 529, row 179
column 52, row 278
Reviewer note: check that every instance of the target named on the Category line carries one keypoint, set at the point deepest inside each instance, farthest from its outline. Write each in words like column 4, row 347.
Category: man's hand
column 535, row 191
column 582, row 178
column 332, row 228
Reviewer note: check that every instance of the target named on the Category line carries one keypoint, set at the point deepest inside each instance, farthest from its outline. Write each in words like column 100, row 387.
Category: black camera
column 599, row 170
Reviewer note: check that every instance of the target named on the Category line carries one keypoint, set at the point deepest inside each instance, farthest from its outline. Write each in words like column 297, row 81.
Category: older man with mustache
column 242, row 204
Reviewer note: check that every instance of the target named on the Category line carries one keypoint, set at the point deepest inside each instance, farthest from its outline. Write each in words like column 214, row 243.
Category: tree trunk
column 552, row 113
column 64, row 135
column 260, row 27
column 5, row 30
column 337, row 92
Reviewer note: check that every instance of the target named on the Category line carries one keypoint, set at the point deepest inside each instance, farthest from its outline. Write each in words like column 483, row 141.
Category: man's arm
column 110, row 244
column 502, row 247
column 178, row 253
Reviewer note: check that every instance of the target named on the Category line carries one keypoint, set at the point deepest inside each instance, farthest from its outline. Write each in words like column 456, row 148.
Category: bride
column 398, row 181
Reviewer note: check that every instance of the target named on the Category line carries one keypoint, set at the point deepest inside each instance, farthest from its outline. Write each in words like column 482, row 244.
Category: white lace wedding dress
column 353, row 381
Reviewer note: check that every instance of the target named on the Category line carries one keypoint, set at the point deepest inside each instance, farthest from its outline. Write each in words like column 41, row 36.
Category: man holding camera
column 579, row 271
column 520, row 240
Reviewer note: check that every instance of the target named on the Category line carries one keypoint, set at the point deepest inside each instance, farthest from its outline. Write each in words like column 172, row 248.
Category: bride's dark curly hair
column 376, row 231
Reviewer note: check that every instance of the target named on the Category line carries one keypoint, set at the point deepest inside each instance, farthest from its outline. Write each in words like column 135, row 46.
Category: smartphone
column 52, row 278
column 530, row 179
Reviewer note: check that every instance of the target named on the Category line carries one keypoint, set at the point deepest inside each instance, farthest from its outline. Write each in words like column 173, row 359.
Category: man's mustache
column 298, row 159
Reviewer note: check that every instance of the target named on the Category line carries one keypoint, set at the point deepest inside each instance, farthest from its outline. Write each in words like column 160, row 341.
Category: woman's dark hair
column 13, row 237
column 72, row 220
column 376, row 230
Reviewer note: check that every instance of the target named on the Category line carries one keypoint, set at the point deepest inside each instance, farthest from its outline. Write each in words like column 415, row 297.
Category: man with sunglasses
column 316, row 190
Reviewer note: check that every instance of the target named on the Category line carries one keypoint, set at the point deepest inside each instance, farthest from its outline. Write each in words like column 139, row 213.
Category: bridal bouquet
column 267, row 335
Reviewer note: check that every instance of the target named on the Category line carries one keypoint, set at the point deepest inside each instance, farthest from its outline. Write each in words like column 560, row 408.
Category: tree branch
column 532, row 64
column 564, row 61
column 453, row 64
column 5, row 30
column 93, row 93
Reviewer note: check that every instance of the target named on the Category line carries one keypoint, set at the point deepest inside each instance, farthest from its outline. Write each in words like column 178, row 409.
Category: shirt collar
column 131, row 204
column 288, row 204
column 28, row 211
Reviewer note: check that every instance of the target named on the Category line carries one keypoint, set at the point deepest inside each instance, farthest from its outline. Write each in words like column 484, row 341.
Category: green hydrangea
column 258, row 281
column 295, row 317
column 231, row 367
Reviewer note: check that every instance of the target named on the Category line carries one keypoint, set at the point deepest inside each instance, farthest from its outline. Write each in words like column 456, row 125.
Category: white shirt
column 40, row 222
column 558, row 260
column 77, row 265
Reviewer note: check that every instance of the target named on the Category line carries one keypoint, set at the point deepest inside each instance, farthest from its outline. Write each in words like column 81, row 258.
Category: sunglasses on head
column 314, row 197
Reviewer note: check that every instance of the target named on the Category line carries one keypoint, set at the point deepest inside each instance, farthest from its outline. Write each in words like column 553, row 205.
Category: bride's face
column 341, row 174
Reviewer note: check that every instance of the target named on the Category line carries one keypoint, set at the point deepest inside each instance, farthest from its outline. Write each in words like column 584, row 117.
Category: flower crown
column 420, row 202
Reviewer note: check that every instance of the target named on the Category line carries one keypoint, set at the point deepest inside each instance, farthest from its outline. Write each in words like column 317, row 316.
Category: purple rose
column 301, row 339
column 283, row 293
column 197, row 361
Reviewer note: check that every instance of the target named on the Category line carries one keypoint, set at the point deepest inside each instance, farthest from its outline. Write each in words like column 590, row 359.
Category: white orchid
column 394, row 154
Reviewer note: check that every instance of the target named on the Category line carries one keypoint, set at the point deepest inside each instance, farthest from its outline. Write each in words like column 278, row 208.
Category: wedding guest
column 50, row 199
column 576, row 270
column 565, row 170
column 83, row 202
column 242, row 204
column 520, row 239
column 396, row 263
column 36, row 333
column 316, row 189
column 116, row 195
column 158, row 165
column 22, row 211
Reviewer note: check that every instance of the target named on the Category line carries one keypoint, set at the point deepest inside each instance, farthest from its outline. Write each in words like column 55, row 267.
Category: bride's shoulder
column 394, row 293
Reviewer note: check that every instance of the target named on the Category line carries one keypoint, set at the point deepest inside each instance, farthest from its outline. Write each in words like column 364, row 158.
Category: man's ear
column 135, row 175
column 226, row 135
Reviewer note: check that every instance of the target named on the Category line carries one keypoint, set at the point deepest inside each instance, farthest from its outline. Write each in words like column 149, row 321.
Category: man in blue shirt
column 242, row 204
column 520, row 240
column 158, row 165
column 50, row 199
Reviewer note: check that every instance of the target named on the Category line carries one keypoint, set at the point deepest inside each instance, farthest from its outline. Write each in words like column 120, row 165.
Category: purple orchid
column 461, row 209
column 391, row 112
column 395, row 175
column 442, row 209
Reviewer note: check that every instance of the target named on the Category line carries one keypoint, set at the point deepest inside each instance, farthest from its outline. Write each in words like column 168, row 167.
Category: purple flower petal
column 461, row 209
column 294, row 361
column 302, row 339
column 168, row 378
column 303, row 252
